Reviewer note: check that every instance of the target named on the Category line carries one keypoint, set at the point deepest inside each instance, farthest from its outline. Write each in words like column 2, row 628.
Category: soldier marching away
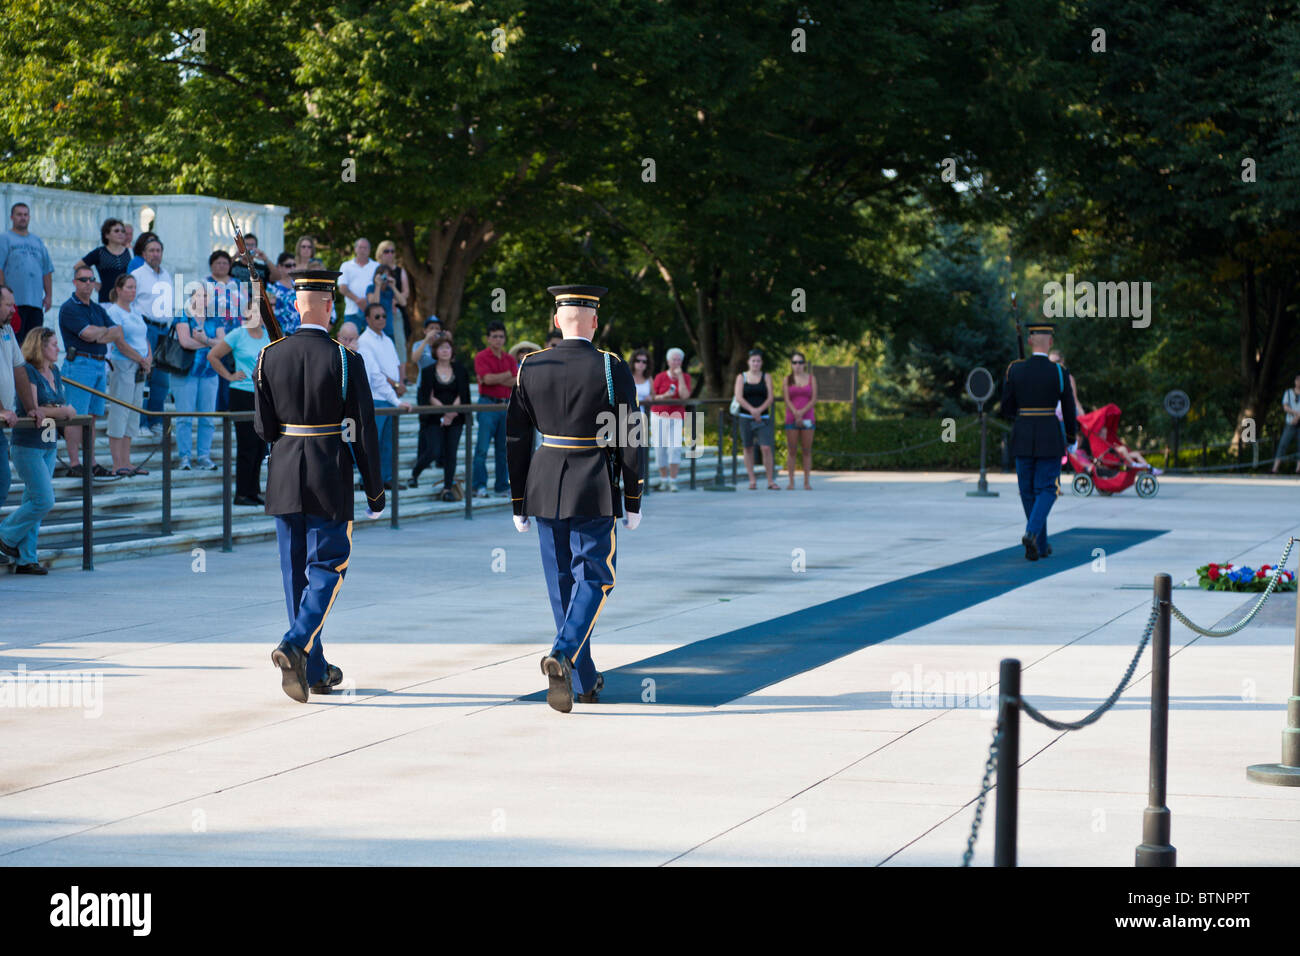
column 571, row 483
column 1030, row 391
column 311, row 398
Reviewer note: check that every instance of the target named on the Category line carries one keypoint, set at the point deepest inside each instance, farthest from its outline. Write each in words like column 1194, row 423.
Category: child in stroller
column 1102, row 461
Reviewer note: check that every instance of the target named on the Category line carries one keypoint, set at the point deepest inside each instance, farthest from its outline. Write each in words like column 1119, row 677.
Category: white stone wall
column 191, row 227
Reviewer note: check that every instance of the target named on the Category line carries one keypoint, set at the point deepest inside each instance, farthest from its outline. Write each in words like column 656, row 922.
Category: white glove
column 631, row 520
column 372, row 515
column 521, row 523
column 1074, row 446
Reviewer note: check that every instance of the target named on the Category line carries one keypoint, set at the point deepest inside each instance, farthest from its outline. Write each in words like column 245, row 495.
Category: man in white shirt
column 356, row 276
column 11, row 357
column 385, row 375
column 153, row 300
column 1291, row 413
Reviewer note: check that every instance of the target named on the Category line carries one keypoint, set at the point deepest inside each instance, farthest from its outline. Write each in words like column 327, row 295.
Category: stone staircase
column 128, row 511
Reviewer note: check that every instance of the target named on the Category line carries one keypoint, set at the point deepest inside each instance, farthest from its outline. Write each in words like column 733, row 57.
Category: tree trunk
column 439, row 271
column 1263, row 343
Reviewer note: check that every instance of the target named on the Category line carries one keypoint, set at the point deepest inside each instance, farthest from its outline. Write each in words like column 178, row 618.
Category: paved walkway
column 184, row 750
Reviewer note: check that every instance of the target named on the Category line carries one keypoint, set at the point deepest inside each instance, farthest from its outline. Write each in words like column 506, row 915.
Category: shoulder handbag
column 171, row 356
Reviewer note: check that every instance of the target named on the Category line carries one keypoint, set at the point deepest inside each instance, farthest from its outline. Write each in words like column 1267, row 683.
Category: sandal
column 123, row 472
column 753, row 486
column 139, row 470
column 773, row 486
column 99, row 471
column 72, row 471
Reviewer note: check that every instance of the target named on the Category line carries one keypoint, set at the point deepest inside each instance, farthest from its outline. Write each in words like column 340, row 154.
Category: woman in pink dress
column 800, row 389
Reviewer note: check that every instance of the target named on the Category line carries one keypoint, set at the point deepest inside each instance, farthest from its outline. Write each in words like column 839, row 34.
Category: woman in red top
column 666, row 420
column 800, row 389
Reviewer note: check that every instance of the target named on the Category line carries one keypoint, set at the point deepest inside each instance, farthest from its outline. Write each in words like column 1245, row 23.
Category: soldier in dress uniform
column 313, row 404
column 1030, row 391
column 583, row 402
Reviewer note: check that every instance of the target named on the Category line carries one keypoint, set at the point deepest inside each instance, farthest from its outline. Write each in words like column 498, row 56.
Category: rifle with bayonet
column 269, row 320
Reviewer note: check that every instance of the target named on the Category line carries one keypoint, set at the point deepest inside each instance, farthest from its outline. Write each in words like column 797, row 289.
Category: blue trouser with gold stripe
column 578, row 558
column 1037, row 479
column 314, row 555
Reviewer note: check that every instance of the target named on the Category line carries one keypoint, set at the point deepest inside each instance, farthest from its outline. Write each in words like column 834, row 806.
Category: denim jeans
column 159, row 381
column 5, row 477
column 490, row 426
column 194, row 395
column 36, row 468
column 384, row 423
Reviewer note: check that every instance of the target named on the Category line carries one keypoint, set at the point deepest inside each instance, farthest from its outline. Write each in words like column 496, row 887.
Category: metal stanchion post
column 394, row 423
column 469, row 465
column 982, row 489
column 1155, row 849
column 227, row 502
column 87, row 498
column 1004, row 837
column 735, row 446
column 166, row 475
column 1286, row 773
column 719, row 482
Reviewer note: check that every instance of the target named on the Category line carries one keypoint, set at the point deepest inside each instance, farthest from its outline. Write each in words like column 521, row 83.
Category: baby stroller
column 1099, row 463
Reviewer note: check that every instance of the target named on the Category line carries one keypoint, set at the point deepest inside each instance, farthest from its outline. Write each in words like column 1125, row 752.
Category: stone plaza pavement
column 183, row 749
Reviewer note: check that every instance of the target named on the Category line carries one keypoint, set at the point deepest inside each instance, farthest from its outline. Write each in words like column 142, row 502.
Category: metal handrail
column 229, row 417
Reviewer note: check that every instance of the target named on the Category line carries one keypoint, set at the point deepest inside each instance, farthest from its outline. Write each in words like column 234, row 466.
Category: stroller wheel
column 1147, row 486
column 1082, row 484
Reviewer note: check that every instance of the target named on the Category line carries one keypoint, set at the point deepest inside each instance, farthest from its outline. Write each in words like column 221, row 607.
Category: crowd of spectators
column 121, row 323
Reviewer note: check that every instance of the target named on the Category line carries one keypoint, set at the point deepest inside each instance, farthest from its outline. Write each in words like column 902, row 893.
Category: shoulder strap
column 609, row 381
column 1060, row 377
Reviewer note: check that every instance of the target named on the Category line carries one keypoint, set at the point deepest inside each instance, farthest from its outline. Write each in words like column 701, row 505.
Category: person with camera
column 198, row 329
column 384, row 291
column 130, row 362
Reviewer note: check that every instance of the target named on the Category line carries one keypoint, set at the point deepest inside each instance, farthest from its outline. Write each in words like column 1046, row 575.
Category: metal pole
column 227, row 503
column 394, row 423
column 469, row 466
column 982, row 489
column 1155, row 849
column 1177, row 426
column 1286, row 773
column 167, row 475
column 1008, row 786
column 718, row 479
column 735, row 445
column 695, row 442
column 87, row 498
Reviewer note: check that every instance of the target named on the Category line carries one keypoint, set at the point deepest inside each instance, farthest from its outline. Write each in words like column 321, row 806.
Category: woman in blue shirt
column 34, row 449
column 197, row 329
column 245, row 343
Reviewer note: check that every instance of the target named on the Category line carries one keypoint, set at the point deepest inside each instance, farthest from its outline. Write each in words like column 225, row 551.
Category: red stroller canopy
column 1101, row 428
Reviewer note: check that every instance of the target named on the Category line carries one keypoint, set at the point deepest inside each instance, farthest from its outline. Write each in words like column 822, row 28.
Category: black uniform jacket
column 561, row 392
column 1030, row 391
column 299, row 382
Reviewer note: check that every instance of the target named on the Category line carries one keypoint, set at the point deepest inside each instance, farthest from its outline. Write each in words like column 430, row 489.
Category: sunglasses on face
column 85, row 278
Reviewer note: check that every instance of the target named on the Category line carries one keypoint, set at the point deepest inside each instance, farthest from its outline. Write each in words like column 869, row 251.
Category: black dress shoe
column 593, row 696
column 559, row 694
column 31, row 569
column 333, row 677
column 293, row 670
column 1046, row 552
column 413, row 483
column 1031, row 547
column 245, row 500
column 6, row 549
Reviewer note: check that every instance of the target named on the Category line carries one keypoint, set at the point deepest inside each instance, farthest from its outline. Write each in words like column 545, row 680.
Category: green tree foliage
column 1149, row 183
